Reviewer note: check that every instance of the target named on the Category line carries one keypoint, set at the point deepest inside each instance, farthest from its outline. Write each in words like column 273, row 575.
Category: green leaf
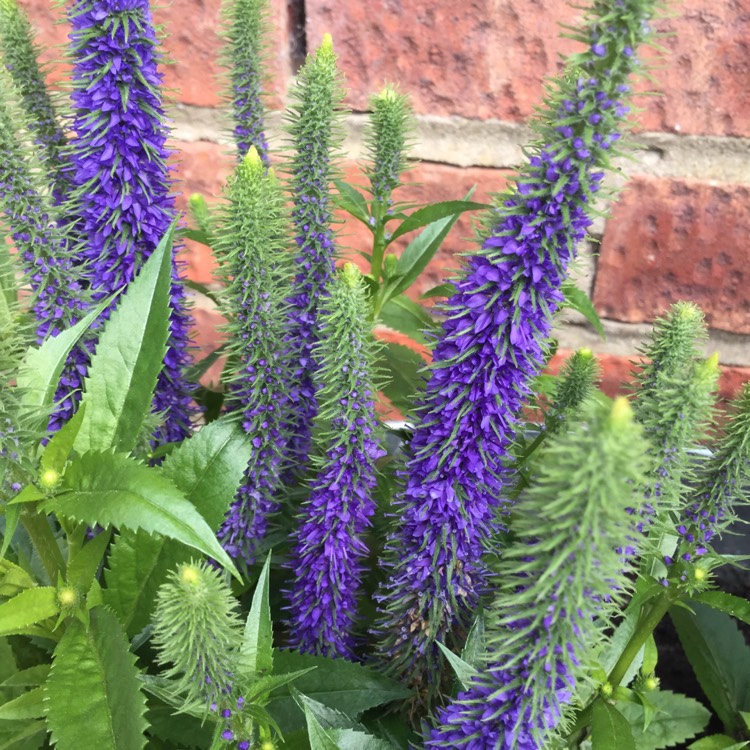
column 717, row 742
column 319, row 738
column 328, row 717
column 576, row 299
column 196, row 235
column 179, row 729
column 352, row 201
column 31, row 677
column 720, row 659
column 351, row 739
column 12, row 515
column 128, row 358
column 28, row 730
column 650, row 656
column 441, row 290
column 40, row 372
column 84, row 565
column 435, row 212
column 403, row 315
column 58, row 449
column 29, row 705
column 28, row 608
column 259, row 690
column 404, row 366
column 209, row 466
column 609, row 729
column 256, row 652
column 13, row 579
column 475, row 647
column 679, row 719
column 463, row 671
column 138, row 564
column 417, row 254
column 113, row 490
column 736, row 606
column 95, row 664
column 343, row 685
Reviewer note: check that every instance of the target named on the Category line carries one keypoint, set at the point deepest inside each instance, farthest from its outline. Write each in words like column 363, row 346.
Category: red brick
column 207, row 338
column 482, row 58
column 703, row 74
column 488, row 59
column 429, row 183
column 669, row 240
column 731, row 381
column 200, row 167
column 192, row 44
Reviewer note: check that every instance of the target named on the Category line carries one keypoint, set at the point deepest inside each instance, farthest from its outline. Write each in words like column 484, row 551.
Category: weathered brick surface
column 191, row 67
column 200, row 167
column 206, row 339
column 487, row 58
column 669, row 240
column 429, row 183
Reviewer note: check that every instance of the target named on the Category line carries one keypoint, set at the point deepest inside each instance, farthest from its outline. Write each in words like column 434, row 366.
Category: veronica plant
column 253, row 254
column 492, row 343
column 329, row 551
column 246, row 31
column 122, row 202
column 548, row 608
column 315, row 133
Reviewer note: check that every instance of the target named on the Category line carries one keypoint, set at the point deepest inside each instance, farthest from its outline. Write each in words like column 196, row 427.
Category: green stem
column 379, row 244
column 645, row 627
column 37, row 527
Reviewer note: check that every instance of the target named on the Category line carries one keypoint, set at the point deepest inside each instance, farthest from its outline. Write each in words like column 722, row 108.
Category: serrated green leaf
column 256, row 652
column 720, row 659
column 58, row 449
column 679, row 719
column 178, row 729
column 436, row 212
column 209, row 466
column 40, row 372
column 403, row 367
column 403, row 315
column 351, row 739
column 319, row 738
column 736, row 606
column 113, row 490
column 13, row 579
column 29, row 705
column 95, row 663
column 609, row 729
column 328, row 717
column 31, row 677
column 28, row 608
column 28, row 730
column 84, row 565
column 138, row 564
column 475, row 647
column 463, row 671
column 264, row 686
column 576, row 299
column 128, row 358
column 343, row 685
column 717, row 742
column 352, row 201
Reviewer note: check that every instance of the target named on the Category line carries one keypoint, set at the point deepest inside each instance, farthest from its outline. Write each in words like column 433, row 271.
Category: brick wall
column 681, row 226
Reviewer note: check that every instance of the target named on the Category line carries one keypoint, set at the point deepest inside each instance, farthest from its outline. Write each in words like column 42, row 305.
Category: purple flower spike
column 493, row 343
column 122, row 197
column 329, row 548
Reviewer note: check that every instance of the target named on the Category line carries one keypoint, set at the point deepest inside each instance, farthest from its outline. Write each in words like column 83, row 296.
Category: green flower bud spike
column 19, row 55
column 198, row 632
